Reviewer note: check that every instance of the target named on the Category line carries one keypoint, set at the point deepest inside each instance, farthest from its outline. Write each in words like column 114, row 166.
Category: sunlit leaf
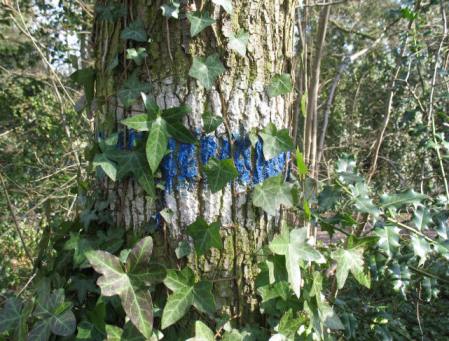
column 206, row 70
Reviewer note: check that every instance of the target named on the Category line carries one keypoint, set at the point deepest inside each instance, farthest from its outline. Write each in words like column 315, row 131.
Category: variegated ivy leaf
column 272, row 193
column 211, row 122
column 275, row 141
column 350, row 260
column 280, row 85
column 226, row 4
column 140, row 122
column 238, row 42
column 199, row 21
column 293, row 245
column 137, row 55
column 135, row 31
column 171, row 9
column 121, row 281
column 219, row 173
column 206, row 70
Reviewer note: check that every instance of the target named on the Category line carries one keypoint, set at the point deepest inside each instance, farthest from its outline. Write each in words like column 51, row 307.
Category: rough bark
column 239, row 96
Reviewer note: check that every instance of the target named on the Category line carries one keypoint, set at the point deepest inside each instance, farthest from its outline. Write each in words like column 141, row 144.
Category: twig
column 14, row 218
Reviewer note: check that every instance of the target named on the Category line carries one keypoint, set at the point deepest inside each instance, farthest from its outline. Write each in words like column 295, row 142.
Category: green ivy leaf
column 171, row 9
column 180, row 133
column 293, row 245
column 137, row 55
column 350, row 260
column 183, row 249
column 226, row 4
column 211, row 122
column 203, row 299
column 10, row 314
column 205, row 236
column 157, row 143
column 202, row 333
column 272, row 193
column 275, row 141
column 388, row 239
column 328, row 316
column 110, row 12
column 40, row 332
column 239, row 41
column 80, row 246
column 199, row 21
column 177, row 280
column 86, row 78
column 177, row 306
column 206, row 70
column 141, row 122
column 131, row 90
column 289, row 324
column 135, row 31
column 280, row 85
column 108, row 167
column 219, row 173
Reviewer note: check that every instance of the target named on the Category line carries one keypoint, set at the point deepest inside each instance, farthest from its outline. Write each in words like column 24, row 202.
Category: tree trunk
column 239, row 96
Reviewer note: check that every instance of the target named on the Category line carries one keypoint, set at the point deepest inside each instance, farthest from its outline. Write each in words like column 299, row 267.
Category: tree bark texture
column 239, row 96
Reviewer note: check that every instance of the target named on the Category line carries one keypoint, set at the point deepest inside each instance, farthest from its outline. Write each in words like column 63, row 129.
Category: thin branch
column 14, row 218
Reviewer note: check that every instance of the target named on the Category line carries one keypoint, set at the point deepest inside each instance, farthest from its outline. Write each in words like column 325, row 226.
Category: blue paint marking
column 225, row 150
column 180, row 165
column 208, row 145
column 168, row 165
column 187, row 162
column 242, row 159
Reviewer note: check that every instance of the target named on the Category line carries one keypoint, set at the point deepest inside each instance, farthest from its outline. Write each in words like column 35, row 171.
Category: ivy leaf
column 422, row 218
column 205, row 236
column 177, row 280
column 421, row 248
column 157, row 143
column 135, row 31
column 110, row 12
column 140, row 254
column 328, row 316
column 211, row 122
column 300, row 163
column 202, row 333
column 183, row 249
column 131, row 90
column 280, row 85
column 220, row 173
column 171, row 9
column 388, row 239
column 141, row 122
column 108, row 167
column 136, row 302
column 199, row 21
column 146, row 180
column 350, row 260
column 238, row 42
column 180, row 133
column 40, row 332
column 401, row 199
column 293, row 245
column 86, row 78
column 289, row 324
column 275, row 141
column 272, row 193
column 175, row 114
column 137, row 55
column 206, row 70
column 177, row 306
column 10, row 314
column 150, row 106
column 226, row 4
column 80, row 246
column 203, row 299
